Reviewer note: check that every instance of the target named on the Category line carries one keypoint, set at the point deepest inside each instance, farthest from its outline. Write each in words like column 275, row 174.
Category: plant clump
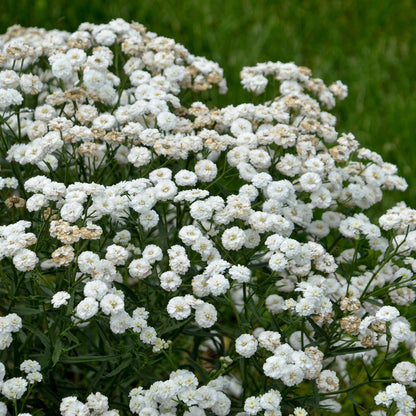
column 161, row 257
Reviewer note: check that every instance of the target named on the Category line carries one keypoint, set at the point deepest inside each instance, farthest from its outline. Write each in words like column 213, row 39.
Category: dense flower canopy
column 190, row 260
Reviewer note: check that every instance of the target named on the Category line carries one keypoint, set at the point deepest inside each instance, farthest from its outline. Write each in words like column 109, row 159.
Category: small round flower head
column 170, row 281
column 152, row 253
column 95, row 289
column 186, row 178
column 29, row 366
column 34, row 377
column 387, row 313
column 205, row 170
column 148, row 335
column 246, row 345
column 233, row 238
column 60, row 299
column 14, row 388
column 25, row 260
column 328, row 381
column 400, row 330
column 206, row 315
column 97, row 402
column 11, row 323
column 277, row 262
column 299, row 411
column 252, row 405
column 111, row 304
column 218, row 284
column 87, row 308
column 122, row 237
column 405, row 372
column 270, row 400
column 118, row 255
column 140, row 268
column 292, row 375
column 396, row 391
column 241, row 274
column 178, row 308
column 71, row 211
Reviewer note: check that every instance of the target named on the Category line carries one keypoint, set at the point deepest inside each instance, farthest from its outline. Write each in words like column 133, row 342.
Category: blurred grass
column 369, row 45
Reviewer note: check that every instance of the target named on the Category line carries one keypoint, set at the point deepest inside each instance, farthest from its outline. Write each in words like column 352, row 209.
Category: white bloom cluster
column 14, row 242
column 14, row 388
column 96, row 403
column 146, row 209
column 293, row 366
column 397, row 393
column 163, row 397
column 9, row 324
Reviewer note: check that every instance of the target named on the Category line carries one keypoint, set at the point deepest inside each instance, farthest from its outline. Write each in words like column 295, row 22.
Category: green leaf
column 122, row 366
column 57, row 351
column 88, row 359
column 42, row 337
column 25, row 311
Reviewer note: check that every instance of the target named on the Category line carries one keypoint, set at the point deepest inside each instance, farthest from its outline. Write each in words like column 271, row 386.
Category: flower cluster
column 14, row 388
column 206, row 260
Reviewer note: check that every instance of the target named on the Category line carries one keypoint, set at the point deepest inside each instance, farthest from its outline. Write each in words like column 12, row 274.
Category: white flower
column 252, row 405
column 36, row 202
column 60, row 299
column 61, row 66
column 118, row 255
column 277, row 262
column 246, row 345
column 310, row 181
column 152, row 253
column 170, row 281
column 387, row 313
column 292, row 375
column 148, row 335
column 29, row 366
column 274, row 367
column 222, row 405
column 233, row 238
column 186, row 178
column 218, row 284
column 205, row 170
column 98, row 402
column 400, row 330
column 396, row 391
column 165, row 189
column 140, row 268
column 120, row 321
column 271, row 400
column 139, row 156
column 405, row 372
column 205, row 315
column 178, row 308
column 14, row 388
column 25, row 260
column 166, row 120
column 71, row 211
column 87, row 308
column 205, row 396
column 105, row 37
column 112, row 304
column 239, row 273
column 34, row 377
column 328, row 381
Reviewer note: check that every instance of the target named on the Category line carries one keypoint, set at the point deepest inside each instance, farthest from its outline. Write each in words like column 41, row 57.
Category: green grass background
column 368, row 44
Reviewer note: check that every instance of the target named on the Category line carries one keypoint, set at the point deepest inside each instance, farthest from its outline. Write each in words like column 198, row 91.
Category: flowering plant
column 160, row 257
